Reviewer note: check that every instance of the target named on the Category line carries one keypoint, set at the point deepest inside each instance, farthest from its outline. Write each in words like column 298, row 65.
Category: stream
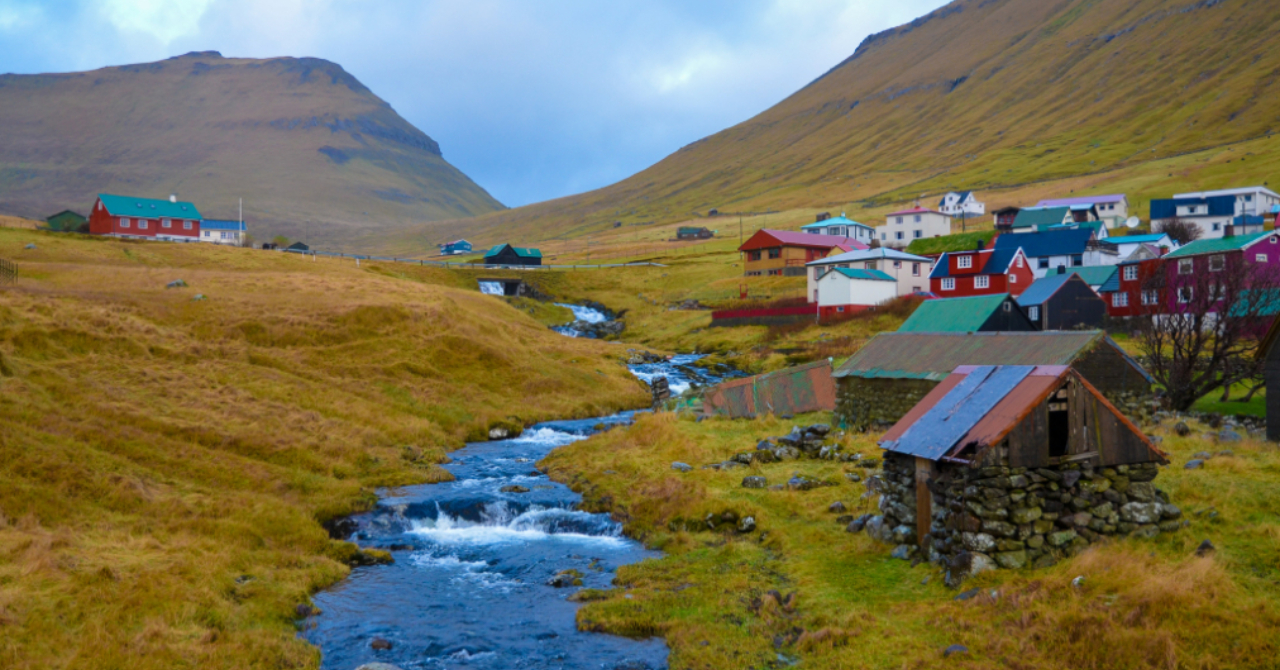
column 468, row 588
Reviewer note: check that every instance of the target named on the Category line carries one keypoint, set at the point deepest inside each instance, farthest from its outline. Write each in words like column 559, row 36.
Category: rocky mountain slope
column 300, row 139
column 980, row 94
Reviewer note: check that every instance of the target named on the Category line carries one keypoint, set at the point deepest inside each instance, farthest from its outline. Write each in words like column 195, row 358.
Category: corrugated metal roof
column 1139, row 239
column 871, row 255
column 1082, row 200
column 1112, row 284
column 1060, row 242
column 1032, row 217
column 1096, row 275
column 934, row 355
column 950, row 417
column 221, row 224
column 520, row 251
column 766, row 238
column 859, row 273
column 841, row 220
column 1217, row 245
column 1042, row 289
column 147, row 208
column 953, row 315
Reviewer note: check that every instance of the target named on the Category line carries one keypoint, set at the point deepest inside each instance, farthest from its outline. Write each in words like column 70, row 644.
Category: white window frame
column 1261, row 258
column 1033, row 312
column 899, row 220
column 1019, row 261
column 1150, row 297
column 917, row 234
column 900, row 235
column 915, row 269
column 1130, row 272
column 964, row 262
column 1013, row 278
column 982, row 281
column 1186, row 266
column 917, row 218
column 1120, row 299
column 142, row 224
column 166, row 223
column 186, row 225
column 124, row 222
column 1186, row 294
column 1218, row 260
column 948, row 283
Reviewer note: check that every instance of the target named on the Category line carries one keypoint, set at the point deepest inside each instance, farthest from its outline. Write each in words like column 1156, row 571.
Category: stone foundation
column 988, row 517
column 863, row 403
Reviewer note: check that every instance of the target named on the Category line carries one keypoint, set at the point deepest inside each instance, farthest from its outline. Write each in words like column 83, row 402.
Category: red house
column 784, row 252
column 959, row 274
column 1131, row 291
column 125, row 216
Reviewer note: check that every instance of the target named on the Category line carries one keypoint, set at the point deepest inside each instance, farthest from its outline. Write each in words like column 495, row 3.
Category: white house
column 222, row 232
column 961, row 204
column 1245, row 209
column 844, row 288
column 840, row 226
column 910, row 272
column 912, row 224
column 1251, row 201
column 1111, row 209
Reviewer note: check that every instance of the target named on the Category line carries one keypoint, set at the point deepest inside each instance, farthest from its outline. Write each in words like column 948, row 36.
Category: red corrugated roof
column 764, row 239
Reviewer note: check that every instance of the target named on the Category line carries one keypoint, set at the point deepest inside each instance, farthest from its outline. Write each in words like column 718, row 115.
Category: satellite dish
column 1132, row 222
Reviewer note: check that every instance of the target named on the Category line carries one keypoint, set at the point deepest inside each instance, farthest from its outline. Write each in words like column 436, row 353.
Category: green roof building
column 977, row 314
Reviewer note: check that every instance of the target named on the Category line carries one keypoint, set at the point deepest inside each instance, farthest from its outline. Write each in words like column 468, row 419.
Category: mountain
column 300, row 139
column 1004, row 96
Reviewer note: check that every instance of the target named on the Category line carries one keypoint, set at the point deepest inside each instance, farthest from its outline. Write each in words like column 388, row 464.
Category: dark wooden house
column 693, row 233
column 68, row 221
column 1063, row 301
column 1005, row 217
column 297, row 246
column 505, row 254
column 982, row 462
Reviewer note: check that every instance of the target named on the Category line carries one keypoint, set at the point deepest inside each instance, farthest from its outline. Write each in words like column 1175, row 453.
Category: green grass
column 1143, row 604
column 167, row 463
column 956, row 242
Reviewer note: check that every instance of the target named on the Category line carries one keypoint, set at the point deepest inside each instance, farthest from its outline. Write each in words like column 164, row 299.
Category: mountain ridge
column 312, row 150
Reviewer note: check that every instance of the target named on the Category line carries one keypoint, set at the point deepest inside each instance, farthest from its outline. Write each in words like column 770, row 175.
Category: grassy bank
column 166, row 460
column 1141, row 604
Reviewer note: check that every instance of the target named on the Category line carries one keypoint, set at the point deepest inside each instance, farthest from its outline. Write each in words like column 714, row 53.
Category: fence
column 8, row 272
column 807, row 388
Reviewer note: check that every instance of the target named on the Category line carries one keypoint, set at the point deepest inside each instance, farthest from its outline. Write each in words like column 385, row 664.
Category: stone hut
column 1015, row 465
column 894, row 371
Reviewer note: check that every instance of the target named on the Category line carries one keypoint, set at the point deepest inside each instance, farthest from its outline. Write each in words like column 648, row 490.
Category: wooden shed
column 505, row 254
column 1019, row 462
column 1062, row 301
column 68, row 221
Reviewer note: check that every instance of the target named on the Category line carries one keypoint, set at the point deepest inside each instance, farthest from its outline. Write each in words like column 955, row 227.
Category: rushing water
column 468, row 588
column 491, row 287
column 581, row 314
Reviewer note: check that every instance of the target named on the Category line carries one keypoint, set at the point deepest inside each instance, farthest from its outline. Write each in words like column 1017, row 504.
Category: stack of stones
column 987, row 517
column 809, row 441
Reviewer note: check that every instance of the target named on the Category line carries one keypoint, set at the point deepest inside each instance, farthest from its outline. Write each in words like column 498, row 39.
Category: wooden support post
column 924, row 501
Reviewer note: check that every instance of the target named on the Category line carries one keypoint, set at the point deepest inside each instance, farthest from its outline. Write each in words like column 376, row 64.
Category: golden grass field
column 166, row 462
column 1142, row 604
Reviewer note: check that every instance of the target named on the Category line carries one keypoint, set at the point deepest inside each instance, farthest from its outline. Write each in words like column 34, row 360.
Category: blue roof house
column 221, row 231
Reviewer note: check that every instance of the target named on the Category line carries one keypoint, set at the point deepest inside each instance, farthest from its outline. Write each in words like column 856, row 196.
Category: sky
column 533, row 99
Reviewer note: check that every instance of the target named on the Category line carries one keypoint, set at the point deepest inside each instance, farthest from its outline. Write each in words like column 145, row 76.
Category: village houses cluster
column 168, row 220
column 1062, row 263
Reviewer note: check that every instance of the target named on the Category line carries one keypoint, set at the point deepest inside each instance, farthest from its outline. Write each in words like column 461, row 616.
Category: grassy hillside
column 1020, row 99
column 1140, row 604
column 166, row 460
column 299, row 139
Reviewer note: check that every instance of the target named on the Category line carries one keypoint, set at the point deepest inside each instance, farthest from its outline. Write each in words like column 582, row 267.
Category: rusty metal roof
column 980, row 405
column 933, row 356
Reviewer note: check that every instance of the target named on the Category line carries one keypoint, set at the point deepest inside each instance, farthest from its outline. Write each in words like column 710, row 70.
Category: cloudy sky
column 534, row 99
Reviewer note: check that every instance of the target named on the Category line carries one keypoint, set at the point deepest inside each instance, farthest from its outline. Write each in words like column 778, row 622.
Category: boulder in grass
column 681, row 467
column 177, row 283
column 754, row 482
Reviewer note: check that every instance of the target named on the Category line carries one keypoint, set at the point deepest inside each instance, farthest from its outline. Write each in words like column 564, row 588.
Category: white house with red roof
column 901, row 228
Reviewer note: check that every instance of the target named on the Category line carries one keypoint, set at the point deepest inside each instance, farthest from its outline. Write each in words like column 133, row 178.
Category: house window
column 869, row 265
column 915, row 269
column 1019, row 261
column 166, row 223
column 840, row 309
column 1185, row 266
column 884, row 236
column 917, row 218
column 1008, row 306
column 897, row 265
column 142, row 224
column 751, row 255
column 1120, row 299
column 982, row 281
column 1059, row 425
column 124, row 223
column 1261, row 258
column 1148, row 297
column 949, row 284
column 1042, row 263
column 1273, row 239
column 1185, row 294
column 1077, row 260
column 1033, row 312
column 186, row 225
column 775, row 253
column 899, row 234
column 1013, row 278
column 1217, row 226
column 964, row 262
column 817, row 273
column 917, row 234
column 1216, row 263
column 1130, row 272
column 899, row 220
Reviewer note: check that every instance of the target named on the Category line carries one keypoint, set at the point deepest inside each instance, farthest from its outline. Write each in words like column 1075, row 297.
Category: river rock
column 1206, row 548
column 1228, row 435
column 177, row 283
column 565, row 578
column 1141, row 513
column 754, row 482
column 967, row 564
column 1181, row 429
column 954, row 649
column 499, row 433
column 514, row 488
column 747, row 524
column 902, row 551
column 1194, row 464
column 837, row 507
column 380, row 643
column 818, row 429
column 682, row 467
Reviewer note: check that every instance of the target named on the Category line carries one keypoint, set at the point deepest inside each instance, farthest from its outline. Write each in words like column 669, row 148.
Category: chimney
column 173, row 197
column 1229, row 230
column 980, row 245
column 1062, row 269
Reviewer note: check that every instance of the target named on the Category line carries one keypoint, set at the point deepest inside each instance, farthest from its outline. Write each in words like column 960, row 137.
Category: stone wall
column 989, row 517
column 862, row 403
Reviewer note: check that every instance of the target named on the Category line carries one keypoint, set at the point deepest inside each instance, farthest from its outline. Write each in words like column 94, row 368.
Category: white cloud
column 165, row 20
